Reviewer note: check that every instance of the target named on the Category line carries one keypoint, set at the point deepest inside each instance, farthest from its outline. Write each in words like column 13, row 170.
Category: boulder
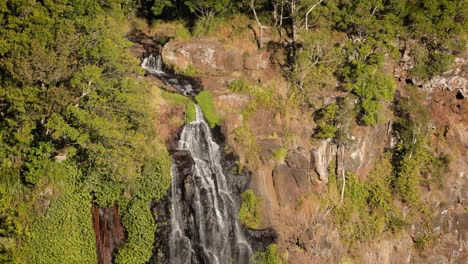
column 285, row 184
column 302, row 177
column 297, row 159
column 256, row 61
column 205, row 55
column 230, row 122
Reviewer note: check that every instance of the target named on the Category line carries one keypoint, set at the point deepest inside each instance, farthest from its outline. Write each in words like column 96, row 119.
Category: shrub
column 206, row 102
column 326, row 119
column 249, row 214
column 371, row 90
column 65, row 234
column 140, row 226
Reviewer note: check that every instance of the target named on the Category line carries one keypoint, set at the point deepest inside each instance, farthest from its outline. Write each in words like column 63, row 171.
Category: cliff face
column 290, row 170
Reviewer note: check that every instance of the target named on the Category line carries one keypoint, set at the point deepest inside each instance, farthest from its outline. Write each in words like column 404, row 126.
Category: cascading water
column 153, row 64
column 204, row 226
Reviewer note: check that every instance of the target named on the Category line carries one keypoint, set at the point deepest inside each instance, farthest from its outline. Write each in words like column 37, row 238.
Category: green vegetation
column 269, row 256
column 183, row 101
column 249, row 214
column 206, row 102
column 280, row 154
column 190, row 71
column 69, row 92
column 76, row 126
column 413, row 160
column 326, row 119
column 140, row 226
column 261, row 96
column 64, row 235
column 247, row 142
column 367, row 209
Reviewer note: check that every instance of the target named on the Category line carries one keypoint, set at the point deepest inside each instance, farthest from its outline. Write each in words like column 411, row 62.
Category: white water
column 216, row 234
column 153, row 64
column 204, row 229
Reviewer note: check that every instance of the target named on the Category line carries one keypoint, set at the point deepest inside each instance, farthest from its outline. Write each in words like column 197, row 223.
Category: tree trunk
column 343, row 173
column 260, row 40
column 308, row 12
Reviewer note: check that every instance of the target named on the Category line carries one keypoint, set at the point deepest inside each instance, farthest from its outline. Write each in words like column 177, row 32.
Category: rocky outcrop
column 212, row 57
column 452, row 80
column 205, row 55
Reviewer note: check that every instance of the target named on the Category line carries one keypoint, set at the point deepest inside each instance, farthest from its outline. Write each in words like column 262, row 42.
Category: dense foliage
column 75, row 124
column 75, row 128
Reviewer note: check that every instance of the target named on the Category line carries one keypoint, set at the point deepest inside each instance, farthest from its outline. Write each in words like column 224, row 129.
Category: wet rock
column 260, row 239
column 162, row 216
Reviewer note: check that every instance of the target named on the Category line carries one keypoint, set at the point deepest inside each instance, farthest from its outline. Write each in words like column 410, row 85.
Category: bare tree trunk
column 308, row 12
column 280, row 26
column 275, row 12
column 260, row 40
column 343, row 173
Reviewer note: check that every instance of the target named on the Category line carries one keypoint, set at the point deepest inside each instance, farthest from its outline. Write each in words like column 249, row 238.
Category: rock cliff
column 290, row 170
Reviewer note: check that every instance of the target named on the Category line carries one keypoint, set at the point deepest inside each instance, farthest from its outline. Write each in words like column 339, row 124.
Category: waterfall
column 204, row 226
column 215, row 231
column 153, row 64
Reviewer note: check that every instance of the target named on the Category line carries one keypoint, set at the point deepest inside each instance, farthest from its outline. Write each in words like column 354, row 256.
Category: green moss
column 206, row 102
column 191, row 112
column 249, row 214
column 190, row 71
column 269, row 256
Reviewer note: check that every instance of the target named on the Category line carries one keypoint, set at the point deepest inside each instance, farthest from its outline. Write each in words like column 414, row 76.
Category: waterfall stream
column 204, row 226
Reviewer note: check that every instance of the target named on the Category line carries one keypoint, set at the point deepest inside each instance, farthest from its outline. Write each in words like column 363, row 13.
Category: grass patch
column 249, row 213
column 190, row 112
column 248, row 144
column 190, row 71
column 205, row 100
column 280, row 154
